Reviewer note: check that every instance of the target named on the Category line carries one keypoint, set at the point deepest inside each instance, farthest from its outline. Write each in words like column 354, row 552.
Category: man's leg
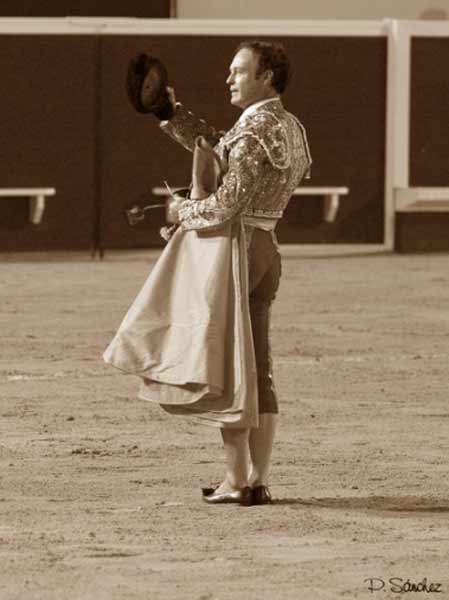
column 242, row 444
column 261, row 442
column 261, row 439
column 235, row 442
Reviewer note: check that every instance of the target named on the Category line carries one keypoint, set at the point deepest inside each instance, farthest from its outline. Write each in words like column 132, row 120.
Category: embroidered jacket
column 267, row 155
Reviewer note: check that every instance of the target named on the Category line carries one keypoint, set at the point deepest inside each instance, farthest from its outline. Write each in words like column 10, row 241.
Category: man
column 267, row 155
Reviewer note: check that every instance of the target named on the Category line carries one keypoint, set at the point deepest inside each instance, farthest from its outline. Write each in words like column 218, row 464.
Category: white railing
column 235, row 27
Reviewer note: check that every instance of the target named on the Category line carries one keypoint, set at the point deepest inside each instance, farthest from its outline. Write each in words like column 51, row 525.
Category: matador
column 267, row 155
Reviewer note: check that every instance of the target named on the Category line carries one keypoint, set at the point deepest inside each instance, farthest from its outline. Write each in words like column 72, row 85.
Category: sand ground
column 99, row 492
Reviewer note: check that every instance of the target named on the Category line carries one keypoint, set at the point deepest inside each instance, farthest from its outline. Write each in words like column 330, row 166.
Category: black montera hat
column 146, row 86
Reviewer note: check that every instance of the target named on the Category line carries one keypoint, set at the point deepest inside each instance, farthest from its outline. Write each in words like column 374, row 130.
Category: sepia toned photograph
column 224, row 270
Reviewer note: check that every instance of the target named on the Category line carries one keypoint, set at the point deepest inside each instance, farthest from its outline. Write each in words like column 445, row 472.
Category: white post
column 398, row 122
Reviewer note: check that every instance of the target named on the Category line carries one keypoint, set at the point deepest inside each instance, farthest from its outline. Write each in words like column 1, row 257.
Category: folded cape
column 207, row 169
column 188, row 332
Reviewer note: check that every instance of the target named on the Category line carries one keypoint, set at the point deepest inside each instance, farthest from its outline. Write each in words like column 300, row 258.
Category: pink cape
column 188, row 333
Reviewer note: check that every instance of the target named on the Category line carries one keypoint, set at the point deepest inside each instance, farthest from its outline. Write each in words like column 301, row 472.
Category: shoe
column 261, row 495
column 243, row 496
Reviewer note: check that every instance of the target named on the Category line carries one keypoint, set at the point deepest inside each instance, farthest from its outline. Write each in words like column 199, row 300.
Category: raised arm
column 184, row 127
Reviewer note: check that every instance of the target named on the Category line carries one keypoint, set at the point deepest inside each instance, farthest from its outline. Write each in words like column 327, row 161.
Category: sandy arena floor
column 100, row 492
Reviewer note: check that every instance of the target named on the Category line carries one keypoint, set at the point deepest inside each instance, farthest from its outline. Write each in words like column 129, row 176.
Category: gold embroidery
column 267, row 154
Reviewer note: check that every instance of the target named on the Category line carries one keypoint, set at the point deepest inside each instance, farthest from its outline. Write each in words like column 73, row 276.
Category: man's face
column 246, row 88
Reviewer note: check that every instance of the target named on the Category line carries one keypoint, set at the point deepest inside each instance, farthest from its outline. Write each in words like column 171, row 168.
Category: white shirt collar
column 253, row 107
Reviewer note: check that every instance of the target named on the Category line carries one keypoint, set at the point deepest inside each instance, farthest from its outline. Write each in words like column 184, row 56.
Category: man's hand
column 174, row 204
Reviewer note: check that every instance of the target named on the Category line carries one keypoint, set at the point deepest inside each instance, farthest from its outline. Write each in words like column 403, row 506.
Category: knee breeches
column 264, row 276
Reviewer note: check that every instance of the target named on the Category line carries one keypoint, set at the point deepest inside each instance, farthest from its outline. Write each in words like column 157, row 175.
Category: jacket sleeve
column 247, row 162
column 184, row 127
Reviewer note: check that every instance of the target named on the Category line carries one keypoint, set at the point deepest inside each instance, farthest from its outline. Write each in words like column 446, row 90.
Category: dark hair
column 271, row 57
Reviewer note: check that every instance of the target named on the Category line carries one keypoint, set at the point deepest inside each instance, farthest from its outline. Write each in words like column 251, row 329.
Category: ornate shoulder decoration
column 271, row 133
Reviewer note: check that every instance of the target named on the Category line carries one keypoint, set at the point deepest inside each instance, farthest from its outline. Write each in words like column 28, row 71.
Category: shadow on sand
column 404, row 504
